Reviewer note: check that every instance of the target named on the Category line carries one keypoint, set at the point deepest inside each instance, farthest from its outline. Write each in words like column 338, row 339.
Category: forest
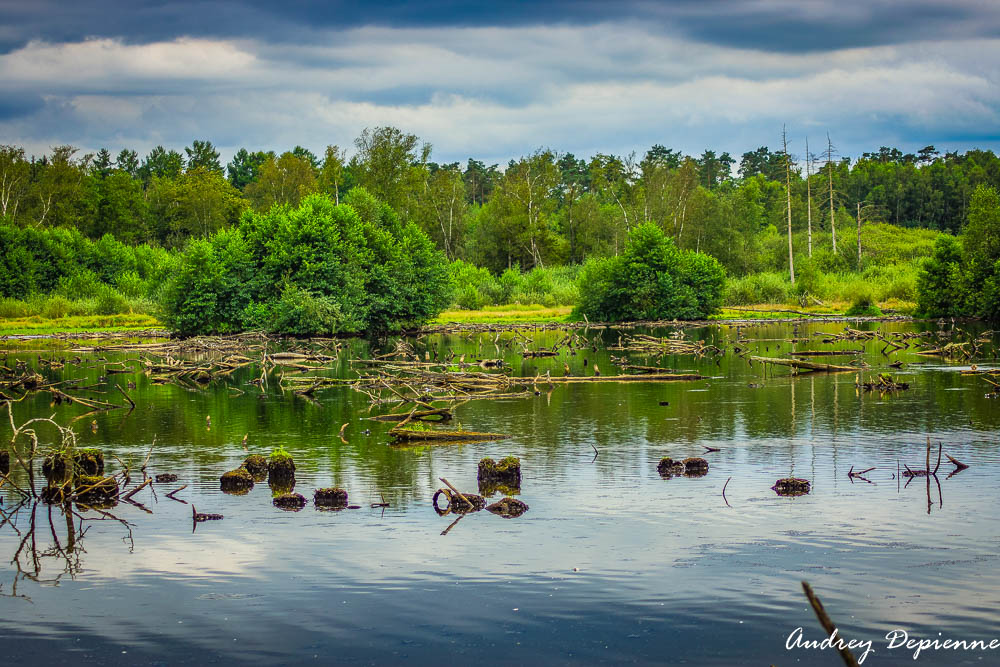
column 112, row 232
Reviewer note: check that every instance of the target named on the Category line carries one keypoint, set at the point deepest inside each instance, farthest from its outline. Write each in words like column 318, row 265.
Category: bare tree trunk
column 829, row 165
column 788, row 197
column 809, row 203
column 859, row 236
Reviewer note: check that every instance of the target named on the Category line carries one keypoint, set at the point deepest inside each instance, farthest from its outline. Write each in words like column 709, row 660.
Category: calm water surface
column 611, row 565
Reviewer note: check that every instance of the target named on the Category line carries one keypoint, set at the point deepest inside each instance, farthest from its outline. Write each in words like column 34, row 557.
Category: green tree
column 383, row 161
column 244, row 168
column 15, row 174
column 941, row 290
column 196, row 203
column 284, row 181
column 981, row 245
column 202, row 155
column 651, row 280
column 161, row 163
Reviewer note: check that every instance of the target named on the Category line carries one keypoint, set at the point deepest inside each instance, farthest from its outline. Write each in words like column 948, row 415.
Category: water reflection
column 612, row 562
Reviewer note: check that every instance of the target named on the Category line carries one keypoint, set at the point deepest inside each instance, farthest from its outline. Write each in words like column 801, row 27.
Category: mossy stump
column 330, row 497
column 256, row 465
column 695, row 464
column 280, row 466
column 95, row 490
column 668, row 467
column 236, row 481
column 4, row 462
column 791, row 486
column 290, row 501
column 508, row 508
column 89, row 461
column 166, row 478
column 506, row 471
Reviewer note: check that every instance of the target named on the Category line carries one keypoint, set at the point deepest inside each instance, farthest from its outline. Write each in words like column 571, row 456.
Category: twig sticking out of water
column 724, row 492
column 828, row 625
column 457, row 492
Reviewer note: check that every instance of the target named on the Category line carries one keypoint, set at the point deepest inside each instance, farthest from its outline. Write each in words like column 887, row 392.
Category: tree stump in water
column 505, row 471
column 791, row 486
column 238, row 481
column 508, row 508
column 331, row 497
column 256, row 465
column 166, row 478
column 280, row 466
column 290, row 501
column 4, row 462
column 667, row 467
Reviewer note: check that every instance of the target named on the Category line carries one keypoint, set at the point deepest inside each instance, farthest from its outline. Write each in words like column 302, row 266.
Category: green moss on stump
column 256, row 464
column 280, row 465
column 505, row 471
column 236, row 481
column 290, row 501
column 330, row 497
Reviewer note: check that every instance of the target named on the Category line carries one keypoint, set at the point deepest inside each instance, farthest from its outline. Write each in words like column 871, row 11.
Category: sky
column 498, row 80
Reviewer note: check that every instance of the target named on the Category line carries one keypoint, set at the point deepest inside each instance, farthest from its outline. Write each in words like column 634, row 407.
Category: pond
column 612, row 563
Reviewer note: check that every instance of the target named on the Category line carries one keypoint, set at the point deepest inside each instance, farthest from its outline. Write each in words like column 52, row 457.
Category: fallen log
column 825, row 353
column 799, row 364
column 443, row 413
column 646, row 377
column 406, row 435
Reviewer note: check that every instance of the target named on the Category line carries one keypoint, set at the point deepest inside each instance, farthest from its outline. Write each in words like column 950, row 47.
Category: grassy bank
column 505, row 314
column 38, row 325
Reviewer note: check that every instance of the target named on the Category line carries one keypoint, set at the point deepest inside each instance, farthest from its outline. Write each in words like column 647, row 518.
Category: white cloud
column 496, row 92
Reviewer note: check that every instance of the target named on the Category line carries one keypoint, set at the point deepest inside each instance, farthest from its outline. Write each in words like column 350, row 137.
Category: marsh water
column 612, row 564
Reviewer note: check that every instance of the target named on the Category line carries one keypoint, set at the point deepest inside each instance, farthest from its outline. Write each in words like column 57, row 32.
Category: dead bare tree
column 833, row 210
column 788, row 197
column 809, row 203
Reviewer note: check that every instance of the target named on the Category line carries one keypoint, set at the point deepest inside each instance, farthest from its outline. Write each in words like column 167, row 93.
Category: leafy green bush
column 864, row 305
column 351, row 272
column 300, row 312
column 651, row 280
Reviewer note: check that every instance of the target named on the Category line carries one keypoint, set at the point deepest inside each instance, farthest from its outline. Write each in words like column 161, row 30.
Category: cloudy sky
column 497, row 80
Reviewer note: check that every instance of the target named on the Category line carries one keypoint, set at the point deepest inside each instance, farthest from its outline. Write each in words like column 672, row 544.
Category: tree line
column 540, row 210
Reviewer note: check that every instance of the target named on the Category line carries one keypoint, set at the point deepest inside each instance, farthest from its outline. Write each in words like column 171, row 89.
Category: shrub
column 348, row 271
column 651, row 280
column 864, row 305
column 940, row 283
column 300, row 312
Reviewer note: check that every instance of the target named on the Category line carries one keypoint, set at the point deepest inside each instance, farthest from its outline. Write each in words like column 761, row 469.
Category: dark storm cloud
column 769, row 25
